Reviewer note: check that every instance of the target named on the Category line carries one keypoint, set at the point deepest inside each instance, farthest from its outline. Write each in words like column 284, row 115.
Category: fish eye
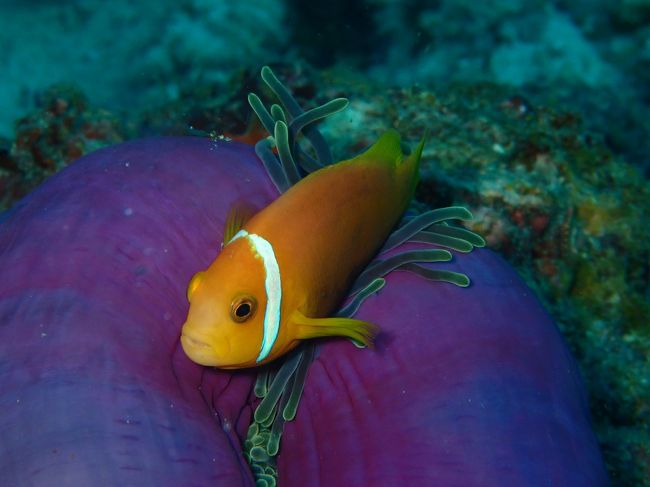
column 194, row 283
column 243, row 308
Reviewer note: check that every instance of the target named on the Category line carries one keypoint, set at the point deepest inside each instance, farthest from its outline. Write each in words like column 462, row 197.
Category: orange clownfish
column 285, row 270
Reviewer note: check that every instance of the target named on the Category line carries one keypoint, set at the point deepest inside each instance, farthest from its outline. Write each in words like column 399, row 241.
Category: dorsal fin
column 238, row 215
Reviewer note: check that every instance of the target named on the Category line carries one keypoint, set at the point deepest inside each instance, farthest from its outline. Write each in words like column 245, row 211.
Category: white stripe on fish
column 273, row 287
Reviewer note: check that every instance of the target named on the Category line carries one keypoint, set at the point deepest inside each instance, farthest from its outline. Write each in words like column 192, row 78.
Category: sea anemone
column 466, row 386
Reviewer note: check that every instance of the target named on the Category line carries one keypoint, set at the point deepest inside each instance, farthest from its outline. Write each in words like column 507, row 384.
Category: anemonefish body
column 285, row 270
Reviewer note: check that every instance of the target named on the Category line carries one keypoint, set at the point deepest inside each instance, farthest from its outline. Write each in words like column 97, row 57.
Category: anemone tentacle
column 358, row 297
column 317, row 141
column 276, row 172
column 265, row 408
column 286, row 122
column 281, row 137
column 280, row 388
column 379, row 268
column 430, row 220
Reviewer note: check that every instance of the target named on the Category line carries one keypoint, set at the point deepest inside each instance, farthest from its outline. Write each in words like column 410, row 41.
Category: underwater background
column 537, row 114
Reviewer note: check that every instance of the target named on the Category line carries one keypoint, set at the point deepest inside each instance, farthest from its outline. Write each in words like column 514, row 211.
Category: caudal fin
column 410, row 168
column 388, row 150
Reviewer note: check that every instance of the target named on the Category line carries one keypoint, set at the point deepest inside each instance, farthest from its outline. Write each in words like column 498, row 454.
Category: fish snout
column 204, row 349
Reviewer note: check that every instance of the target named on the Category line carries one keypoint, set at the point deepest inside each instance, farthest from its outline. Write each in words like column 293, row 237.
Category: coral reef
column 62, row 129
column 589, row 55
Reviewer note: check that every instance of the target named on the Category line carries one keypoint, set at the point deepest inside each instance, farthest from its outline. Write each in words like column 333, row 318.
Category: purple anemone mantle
column 466, row 386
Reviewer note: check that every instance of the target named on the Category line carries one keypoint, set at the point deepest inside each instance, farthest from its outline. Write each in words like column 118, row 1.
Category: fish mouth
column 188, row 341
column 203, row 353
column 204, row 350
column 198, row 351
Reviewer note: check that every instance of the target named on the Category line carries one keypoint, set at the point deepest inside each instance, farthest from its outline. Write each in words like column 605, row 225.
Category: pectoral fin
column 360, row 332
